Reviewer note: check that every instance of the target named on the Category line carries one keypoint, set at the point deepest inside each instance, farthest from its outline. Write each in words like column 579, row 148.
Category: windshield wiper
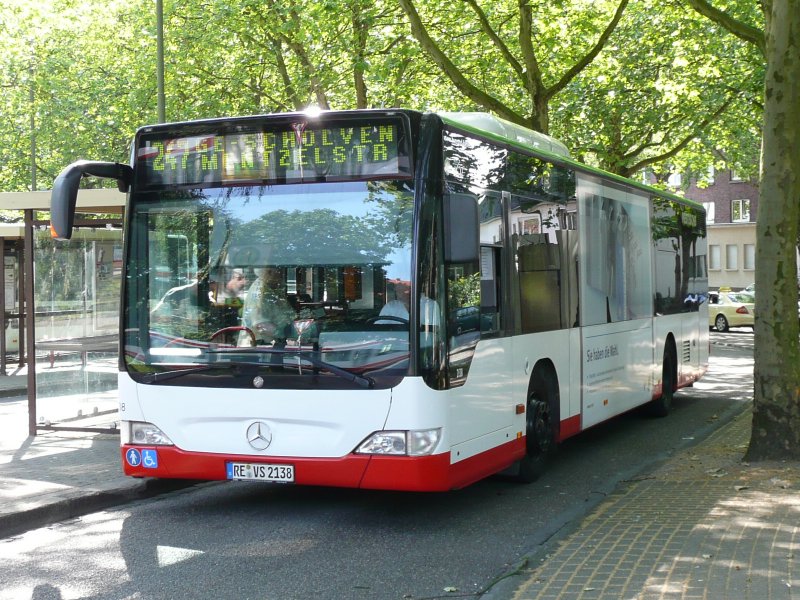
column 166, row 375
column 360, row 380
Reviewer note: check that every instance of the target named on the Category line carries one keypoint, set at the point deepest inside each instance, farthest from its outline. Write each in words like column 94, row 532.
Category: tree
column 625, row 86
column 658, row 96
column 74, row 79
column 492, row 60
column 776, row 411
column 776, row 398
column 255, row 57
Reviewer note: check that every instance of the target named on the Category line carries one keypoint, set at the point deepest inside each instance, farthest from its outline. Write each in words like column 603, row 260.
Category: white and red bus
column 420, row 300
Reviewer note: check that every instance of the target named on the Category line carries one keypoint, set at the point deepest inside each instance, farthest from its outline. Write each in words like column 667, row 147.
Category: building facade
column 731, row 208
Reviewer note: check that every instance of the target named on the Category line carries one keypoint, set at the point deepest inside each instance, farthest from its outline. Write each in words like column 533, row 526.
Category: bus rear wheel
column 540, row 429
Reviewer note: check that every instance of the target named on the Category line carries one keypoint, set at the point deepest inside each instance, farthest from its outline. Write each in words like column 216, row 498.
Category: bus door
column 479, row 355
column 481, row 405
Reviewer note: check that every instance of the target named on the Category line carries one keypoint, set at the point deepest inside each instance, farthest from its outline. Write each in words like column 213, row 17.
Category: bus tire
column 661, row 406
column 541, row 423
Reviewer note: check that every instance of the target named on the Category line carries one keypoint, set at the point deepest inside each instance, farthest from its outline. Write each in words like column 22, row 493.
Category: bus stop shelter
column 60, row 307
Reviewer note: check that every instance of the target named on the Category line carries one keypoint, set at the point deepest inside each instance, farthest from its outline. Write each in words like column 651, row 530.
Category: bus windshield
column 295, row 285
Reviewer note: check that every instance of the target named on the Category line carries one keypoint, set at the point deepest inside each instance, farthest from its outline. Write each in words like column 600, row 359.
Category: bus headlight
column 421, row 442
column 144, row 434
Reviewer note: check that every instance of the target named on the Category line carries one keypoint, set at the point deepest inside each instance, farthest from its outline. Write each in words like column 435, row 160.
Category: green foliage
column 465, row 290
column 289, row 236
column 660, row 96
column 81, row 74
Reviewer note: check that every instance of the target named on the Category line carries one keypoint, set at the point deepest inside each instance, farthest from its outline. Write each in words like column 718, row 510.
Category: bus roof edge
column 506, row 129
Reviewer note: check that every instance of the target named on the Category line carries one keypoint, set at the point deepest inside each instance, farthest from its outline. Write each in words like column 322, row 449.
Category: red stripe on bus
column 405, row 473
column 174, row 463
column 436, row 473
column 569, row 427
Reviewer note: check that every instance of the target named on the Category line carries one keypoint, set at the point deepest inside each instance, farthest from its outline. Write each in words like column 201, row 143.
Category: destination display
column 297, row 152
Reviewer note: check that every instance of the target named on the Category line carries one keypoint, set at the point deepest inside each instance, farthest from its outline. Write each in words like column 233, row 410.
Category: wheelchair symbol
column 149, row 459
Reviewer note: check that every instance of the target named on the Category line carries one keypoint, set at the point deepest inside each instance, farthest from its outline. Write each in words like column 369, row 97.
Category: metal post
column 162, row 109
column 29, row 319
column 21, row 305
column 32, row 98
column 6, row 324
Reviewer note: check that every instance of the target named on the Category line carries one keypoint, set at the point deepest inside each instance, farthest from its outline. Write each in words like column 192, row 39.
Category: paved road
column 279, row 542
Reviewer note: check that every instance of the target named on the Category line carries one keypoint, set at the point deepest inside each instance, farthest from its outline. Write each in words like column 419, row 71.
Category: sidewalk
column 704, row 525
column 57, row 475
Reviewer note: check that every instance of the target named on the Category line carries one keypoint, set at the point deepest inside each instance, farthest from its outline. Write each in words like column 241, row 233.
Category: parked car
column 730, row 309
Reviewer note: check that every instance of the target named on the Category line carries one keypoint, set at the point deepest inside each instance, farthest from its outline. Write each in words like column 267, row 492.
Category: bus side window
column 540, row 277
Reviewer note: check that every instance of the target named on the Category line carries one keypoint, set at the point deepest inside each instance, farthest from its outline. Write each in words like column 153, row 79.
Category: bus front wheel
column 540, row 427
column 661, row 406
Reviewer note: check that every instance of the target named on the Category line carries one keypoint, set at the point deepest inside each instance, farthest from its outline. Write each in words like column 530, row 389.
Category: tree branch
column 301, row 54
column 533, row 74
column 627, row 171
column 740, row 29
column 489, row 31
column 452, row 72
column 590, row 56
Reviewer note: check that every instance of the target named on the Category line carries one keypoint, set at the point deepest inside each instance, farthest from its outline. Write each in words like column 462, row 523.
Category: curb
column 13, row 392
column 80, row 503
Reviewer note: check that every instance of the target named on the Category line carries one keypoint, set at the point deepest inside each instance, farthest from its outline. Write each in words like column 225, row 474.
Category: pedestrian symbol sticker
column 150, row 458
column 133, row 457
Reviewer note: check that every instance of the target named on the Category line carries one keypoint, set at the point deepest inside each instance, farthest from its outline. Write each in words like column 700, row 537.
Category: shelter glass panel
column 76, row 298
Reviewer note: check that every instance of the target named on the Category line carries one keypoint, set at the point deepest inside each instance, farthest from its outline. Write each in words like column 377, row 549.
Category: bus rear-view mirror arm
column 65, row 191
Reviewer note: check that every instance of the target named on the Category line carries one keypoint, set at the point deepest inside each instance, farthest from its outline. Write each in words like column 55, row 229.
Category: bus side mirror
column 461, row 229
column 65, row 191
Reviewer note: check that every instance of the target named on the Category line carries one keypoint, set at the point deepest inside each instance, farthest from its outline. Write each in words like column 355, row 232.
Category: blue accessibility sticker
column 133, row 457
column 150, row 458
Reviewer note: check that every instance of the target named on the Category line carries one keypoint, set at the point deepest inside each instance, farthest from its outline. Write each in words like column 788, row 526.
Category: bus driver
column 267, row 312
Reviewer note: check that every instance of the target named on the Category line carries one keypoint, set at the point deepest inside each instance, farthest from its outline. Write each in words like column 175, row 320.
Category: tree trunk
column 360, row 33
column 776, row 416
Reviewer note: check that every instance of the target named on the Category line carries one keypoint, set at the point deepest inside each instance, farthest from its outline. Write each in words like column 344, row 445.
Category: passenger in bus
column 231, row 292
column 235, row 286
column 267, row 312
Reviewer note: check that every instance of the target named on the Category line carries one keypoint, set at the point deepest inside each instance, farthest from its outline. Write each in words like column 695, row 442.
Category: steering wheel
column 225, row 330
column 372, row 320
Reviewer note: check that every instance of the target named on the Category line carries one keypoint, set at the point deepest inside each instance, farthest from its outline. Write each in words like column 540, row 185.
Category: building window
column 731, row 257
column 735, row 177
column 749, row 257
column 740, row 211
column 710, row 210
column 714, row 257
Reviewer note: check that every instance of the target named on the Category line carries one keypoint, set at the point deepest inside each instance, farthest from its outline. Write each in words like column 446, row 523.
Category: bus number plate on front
column 261, row 472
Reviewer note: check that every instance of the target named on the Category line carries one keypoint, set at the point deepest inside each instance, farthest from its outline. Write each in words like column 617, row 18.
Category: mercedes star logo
column 259, row 435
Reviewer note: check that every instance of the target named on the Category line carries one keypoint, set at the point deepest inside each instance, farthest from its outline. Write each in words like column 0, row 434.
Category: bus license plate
column 261, row 472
